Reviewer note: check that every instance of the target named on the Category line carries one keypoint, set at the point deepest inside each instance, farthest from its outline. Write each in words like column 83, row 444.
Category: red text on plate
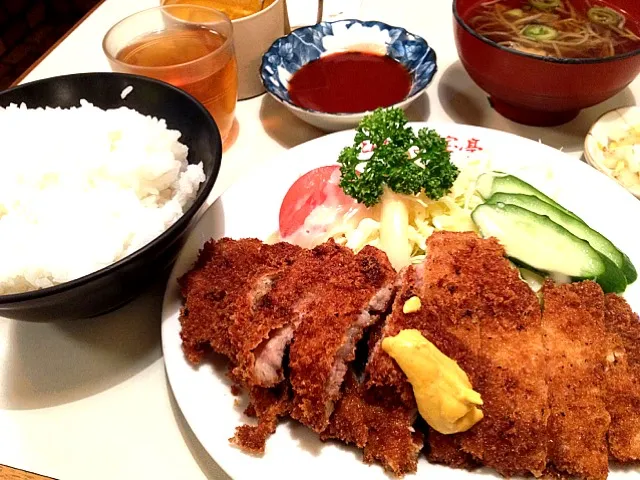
column 455, row 144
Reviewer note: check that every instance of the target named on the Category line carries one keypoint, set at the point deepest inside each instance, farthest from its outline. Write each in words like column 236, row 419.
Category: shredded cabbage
column 451, row 212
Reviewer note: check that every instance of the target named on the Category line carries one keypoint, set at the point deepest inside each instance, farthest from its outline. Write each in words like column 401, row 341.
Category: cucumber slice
column 613, row 279
column 629, row 270
column 490, row 183
column 537, row 241
column 574, row 225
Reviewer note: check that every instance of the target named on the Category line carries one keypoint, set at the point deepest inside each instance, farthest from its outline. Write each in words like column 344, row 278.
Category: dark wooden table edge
column 55, row 45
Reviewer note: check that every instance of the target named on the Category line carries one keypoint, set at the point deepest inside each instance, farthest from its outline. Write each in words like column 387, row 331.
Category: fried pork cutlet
column 245, row 300
column 560, row 388
column 576, row 346
column 445, row 321
column 499, row 328
column 476, row 310
column 507, row 369
column 262, row 338
column 229, row 277
column 379, row 421
column 376, row 425
column 327, row 298
column 354, row 293
column 623, row 379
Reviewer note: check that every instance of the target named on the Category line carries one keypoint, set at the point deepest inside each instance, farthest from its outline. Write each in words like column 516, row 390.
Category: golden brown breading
column 241, row 292
column 382, row 424
column 476, row 310
column 441, row 449
column 575, row 344
column 510, row 355
column 381, row 372
column 221, row 288
column 380, row 427
column 207, row 312
column 268, row 405
column 349, row 422
column 389, row 440
column 445, row 318
column 321, row 297
column 547, row 380
column 623, row 379
column 290, row 290
column 331, row 326
column 290, row 294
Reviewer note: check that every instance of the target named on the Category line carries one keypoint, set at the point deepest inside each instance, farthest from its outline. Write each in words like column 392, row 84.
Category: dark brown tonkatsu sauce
column 349, row 82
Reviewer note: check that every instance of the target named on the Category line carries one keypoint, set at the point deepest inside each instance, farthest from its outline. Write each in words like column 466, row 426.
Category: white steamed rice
column 82, row 188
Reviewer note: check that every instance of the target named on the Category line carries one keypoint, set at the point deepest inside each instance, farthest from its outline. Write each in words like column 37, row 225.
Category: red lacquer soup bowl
column 537, row 90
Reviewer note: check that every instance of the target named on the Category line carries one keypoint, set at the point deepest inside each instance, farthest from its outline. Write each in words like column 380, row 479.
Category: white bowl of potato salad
column 613, row 147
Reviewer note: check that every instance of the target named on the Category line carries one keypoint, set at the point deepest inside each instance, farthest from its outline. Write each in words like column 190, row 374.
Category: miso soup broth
column 556, row 28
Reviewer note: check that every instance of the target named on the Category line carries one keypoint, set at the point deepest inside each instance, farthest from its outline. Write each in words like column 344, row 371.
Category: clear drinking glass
column 188, row 46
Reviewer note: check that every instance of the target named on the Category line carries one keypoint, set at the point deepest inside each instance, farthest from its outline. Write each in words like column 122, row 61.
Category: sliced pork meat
column 228, row 278
column 262, row 339
column 444, row 318
column 559, row 381
column 509, row 361
column 355, row 290
column 324, row 287
column 269, row 355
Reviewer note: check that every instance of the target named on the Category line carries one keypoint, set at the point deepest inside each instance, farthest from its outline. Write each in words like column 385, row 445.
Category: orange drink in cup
column 188, row 46
column 234, row 9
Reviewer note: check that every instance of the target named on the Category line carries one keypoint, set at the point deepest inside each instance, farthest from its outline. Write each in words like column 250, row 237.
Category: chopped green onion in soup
column 605, row 16
column 539, row 33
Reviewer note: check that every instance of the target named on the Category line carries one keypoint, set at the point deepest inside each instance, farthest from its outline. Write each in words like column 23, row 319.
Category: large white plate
column 250, row 209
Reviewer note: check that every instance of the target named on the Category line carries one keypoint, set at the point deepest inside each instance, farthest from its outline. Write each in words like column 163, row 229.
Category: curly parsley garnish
column 391, row 164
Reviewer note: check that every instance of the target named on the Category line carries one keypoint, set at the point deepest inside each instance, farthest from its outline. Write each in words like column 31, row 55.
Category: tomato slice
column 308, row 192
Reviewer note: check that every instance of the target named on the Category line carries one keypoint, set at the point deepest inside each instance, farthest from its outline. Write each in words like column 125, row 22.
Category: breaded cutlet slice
column 380, row 427
column 228, row 278
column 508, row 369
column 623, row 379
column 576, row 346
column 445, row 318
column 351, row 293
column 477, row 310
column 381, row 371
column 263, row 339
column 321, row 283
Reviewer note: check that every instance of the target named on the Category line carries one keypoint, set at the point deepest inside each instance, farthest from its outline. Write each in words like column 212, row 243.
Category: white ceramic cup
column 253, row 35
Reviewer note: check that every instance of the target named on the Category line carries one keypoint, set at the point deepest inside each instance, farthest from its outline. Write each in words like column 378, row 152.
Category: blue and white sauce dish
column 290, row 53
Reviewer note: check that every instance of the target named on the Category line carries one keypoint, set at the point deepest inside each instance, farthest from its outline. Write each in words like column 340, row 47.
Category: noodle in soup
column 556, row 28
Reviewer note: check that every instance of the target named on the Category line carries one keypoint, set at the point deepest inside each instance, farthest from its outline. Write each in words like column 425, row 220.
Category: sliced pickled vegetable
column 539, row 33
column 605, row 16
column 545, row 4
